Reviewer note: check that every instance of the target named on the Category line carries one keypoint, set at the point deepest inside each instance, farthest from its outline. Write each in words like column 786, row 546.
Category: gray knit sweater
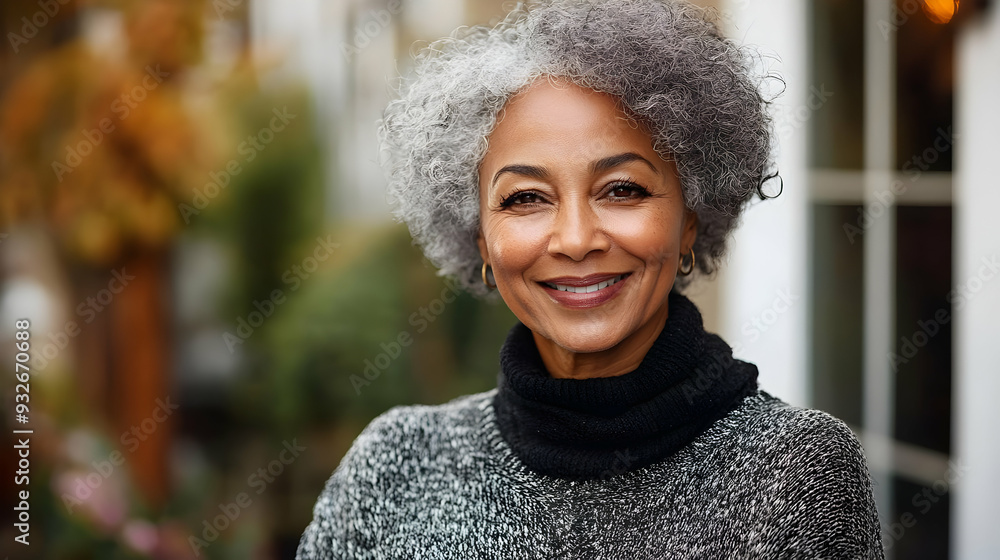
column 684, row 457
column 767, row 481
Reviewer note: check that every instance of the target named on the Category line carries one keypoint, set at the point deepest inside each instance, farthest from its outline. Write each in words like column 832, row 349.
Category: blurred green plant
column 374, row 329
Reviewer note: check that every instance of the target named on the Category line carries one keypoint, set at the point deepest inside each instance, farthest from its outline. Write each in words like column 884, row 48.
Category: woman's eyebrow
column 614, row 161
column 532, row 171
column 603, row 164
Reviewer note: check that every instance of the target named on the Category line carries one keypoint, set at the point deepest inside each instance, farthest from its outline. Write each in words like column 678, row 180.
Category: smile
column 586, row 296
column 587, row 289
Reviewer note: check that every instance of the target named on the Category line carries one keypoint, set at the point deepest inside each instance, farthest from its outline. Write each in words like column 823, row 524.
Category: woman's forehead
column 561, row 120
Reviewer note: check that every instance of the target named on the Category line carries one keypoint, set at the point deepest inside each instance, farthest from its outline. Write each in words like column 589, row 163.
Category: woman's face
column 581, row 220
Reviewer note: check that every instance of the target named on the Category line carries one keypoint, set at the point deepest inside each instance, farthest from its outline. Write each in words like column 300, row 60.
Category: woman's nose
column 576, row 230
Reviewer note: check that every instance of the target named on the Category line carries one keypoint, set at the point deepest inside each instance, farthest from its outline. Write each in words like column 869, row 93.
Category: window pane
column 918, row 526
column 924, row 90
column 837, row 131
column 922, row 359
column 837, row 285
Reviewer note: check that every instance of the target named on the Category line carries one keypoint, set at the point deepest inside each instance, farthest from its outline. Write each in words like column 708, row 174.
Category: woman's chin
column 584, row 332
column 584, row 342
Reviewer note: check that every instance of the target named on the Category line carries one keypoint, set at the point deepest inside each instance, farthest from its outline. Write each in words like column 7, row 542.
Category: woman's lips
column 597, row 292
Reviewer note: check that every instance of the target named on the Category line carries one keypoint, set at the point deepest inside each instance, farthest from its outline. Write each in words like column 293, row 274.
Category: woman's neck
column 620, row 359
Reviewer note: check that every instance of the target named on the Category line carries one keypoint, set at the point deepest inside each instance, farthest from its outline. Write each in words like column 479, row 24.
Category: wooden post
column 140, row 387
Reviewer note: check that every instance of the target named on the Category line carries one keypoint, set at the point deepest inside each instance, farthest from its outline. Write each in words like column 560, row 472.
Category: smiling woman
column 574, row 160
column 583, row 236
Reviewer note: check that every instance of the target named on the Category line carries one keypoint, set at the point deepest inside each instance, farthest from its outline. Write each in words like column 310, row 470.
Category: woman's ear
column 481, row 242
column 690, row 231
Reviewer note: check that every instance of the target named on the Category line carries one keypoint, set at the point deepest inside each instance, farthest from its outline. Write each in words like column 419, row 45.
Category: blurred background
column 193, row 223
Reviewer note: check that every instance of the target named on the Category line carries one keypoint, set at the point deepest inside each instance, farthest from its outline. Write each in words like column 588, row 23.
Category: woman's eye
column 627, row 191
column 523, row 197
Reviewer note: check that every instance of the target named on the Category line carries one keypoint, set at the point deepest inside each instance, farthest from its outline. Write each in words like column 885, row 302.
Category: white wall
column 764, row 287
column 976, row 333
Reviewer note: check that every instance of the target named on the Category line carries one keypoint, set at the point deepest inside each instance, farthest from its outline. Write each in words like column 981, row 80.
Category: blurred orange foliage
column 101, row 148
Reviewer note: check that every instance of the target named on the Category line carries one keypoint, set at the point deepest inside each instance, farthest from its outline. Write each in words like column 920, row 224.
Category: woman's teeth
column 587, row 289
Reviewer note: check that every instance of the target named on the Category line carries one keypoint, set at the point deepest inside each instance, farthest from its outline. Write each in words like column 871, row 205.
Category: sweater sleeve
column 346, row 518
column 828, row 510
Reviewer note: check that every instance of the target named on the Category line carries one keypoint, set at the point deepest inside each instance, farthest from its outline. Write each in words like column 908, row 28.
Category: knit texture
column 732, row 471
column 435, row 482
column 584, row 427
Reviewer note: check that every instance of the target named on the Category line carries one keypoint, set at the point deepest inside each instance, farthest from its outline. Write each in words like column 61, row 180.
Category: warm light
column 940, row 11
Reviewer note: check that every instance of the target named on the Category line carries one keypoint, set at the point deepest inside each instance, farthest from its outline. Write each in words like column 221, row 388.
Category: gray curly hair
column 665, row 59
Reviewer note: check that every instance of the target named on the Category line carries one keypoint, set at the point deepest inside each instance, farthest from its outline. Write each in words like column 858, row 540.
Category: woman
column 582, row 160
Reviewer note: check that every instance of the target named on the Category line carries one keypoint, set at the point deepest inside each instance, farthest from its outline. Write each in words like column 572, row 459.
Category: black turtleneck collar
column 593, row 428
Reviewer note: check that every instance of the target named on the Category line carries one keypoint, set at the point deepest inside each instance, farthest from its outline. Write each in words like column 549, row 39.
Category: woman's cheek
column 647, row 235
column 516, row 245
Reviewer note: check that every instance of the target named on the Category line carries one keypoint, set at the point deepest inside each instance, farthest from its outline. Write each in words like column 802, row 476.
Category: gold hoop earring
column 685, row 271
column 485, row 281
